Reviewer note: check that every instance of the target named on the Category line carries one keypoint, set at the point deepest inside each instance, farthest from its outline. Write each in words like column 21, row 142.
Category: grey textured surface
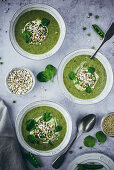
column 75, row 14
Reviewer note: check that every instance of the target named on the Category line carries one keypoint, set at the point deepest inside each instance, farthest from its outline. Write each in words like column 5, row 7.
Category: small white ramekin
column 18, row 68
column 66, row 139
column 102, row 123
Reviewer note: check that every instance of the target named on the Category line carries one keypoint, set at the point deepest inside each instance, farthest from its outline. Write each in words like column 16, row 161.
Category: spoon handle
column 108, row 35
column 59, row 161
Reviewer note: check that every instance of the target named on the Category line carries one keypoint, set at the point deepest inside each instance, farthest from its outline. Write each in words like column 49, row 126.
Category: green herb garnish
column 26, row 35
column 71, row 75
column 48, row 74
column 89, row 34
column 32, row 159
column 98, row 30
column 58, row 128
column 91, row 70
column 77, row 81
column 30, row 124
column 89, row 141
column 45, row 22
column 88, row 89
column 50, row 143
column 41, row 135
column 84, row 28
column 46, row 116
column 33, row 140
column 101, row 137
column 96, row 16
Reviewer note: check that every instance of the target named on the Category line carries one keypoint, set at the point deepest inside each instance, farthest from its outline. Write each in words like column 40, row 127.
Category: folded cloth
column 10, row 155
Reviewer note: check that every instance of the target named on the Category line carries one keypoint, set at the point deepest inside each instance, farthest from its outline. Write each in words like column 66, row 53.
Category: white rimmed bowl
column 66, row 139
column 102, row 123
column 106, row 65
column 18, row 68
column 45, row 8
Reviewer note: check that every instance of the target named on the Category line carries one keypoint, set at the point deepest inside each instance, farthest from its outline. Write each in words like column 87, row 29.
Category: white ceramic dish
column 102, row 123
column 107, row 67
column 96, row 158
column 35, row 151
column 42, row 7
column 19, row 69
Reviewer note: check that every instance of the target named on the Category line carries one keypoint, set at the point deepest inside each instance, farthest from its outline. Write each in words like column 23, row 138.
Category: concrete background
column 75, row 15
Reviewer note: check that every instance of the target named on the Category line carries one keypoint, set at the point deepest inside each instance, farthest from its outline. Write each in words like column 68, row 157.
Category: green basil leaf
column 101, row 137
column 32, row 139
column 71, row 75
column 89, row 141
column 30, row 124
column 46, row 116
column 88, row 89
column 91, row 70
column 58, row 128
column 43, row 77
column 45, row 22
column 50, row 70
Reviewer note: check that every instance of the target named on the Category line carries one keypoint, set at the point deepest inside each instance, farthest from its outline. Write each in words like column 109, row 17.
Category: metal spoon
column 108, row 35
column 85, row 125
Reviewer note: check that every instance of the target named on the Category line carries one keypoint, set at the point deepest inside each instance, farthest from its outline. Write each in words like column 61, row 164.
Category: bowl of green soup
column 37, row 31
column 43, row 128
column 84, row 80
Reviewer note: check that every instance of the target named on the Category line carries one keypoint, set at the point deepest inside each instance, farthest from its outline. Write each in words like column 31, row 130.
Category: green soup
column 53, row 32
column 56, row 116
column 73, row 64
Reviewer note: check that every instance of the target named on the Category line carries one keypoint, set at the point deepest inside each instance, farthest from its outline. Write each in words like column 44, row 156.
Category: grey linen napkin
column 10, row 155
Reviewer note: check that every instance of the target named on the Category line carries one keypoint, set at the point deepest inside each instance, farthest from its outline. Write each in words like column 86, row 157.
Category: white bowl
column 42, row 7
column 102, row 123
column 33, row 77
column 107, row 67
column 66, row 139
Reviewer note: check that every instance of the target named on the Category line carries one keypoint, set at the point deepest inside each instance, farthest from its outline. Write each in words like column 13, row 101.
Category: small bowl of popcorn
column 20, row 81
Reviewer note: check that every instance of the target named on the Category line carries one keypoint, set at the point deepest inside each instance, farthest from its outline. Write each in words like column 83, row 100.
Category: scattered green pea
column 93, row 47
column 13, row 101
column 80, row 147
column 70, row 152
column 96, row 16
column 90, row 14
column 89, row 34
column 84, row 28
column 1, row 62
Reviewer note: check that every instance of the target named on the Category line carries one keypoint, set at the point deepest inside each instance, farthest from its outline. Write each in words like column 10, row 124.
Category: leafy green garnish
column 50, row 70
column 48, row 74
column 89, row 141
column 45, row 22
column 33, row 140
column 50, row 143
column 30, row 124
column 77, row 81
column 43, row 77
column 32, row 159
column 101, row 137
column 58, row 128
column 41, row 135
column 71, row 75
column 91, row 70
column 88, row 89
column 26, row 35
column 46, row 116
